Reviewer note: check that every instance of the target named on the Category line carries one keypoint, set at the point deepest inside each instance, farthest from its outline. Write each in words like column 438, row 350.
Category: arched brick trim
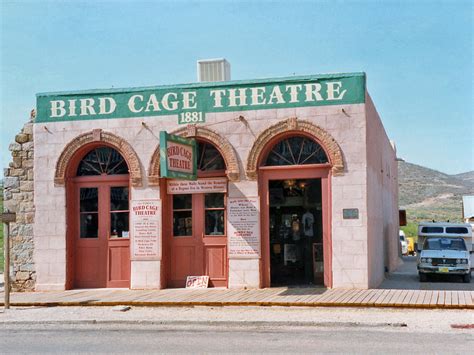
column 98, row 136
column 290, row 125
column 191, row 131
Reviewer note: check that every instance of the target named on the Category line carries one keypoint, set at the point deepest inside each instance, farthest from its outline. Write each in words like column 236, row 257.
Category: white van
column 444, row 248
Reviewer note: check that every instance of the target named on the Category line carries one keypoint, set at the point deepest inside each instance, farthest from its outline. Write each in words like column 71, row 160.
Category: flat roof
column 232, row 83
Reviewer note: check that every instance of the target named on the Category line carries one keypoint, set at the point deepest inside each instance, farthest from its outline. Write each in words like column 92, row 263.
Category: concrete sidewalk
column 299, row 297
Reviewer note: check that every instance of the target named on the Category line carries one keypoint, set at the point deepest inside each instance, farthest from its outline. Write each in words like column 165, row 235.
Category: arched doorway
column 98, row 197
column 196, row 234
column 294, row 180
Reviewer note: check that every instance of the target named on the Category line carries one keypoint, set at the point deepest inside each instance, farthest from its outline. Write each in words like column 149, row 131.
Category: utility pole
column 7, row 218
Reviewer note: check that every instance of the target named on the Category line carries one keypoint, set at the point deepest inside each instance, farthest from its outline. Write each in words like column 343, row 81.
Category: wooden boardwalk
column 308, row 297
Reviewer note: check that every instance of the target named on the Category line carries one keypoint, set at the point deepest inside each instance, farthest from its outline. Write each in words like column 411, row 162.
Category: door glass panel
column 214, row 214
column 89, row 225
column 119, row 198
column 182, row 215
column 89, row 216
column 119, row 225
column 214, row 200
column 89, row 199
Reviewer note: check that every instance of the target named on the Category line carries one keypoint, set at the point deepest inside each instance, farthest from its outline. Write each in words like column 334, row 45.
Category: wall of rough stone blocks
column 382, row 185
column 18, row 198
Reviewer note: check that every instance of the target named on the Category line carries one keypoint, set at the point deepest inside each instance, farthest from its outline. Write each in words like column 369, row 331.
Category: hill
column 428, row 194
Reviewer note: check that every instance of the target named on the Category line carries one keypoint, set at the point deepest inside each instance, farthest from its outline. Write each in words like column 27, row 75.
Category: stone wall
column 18, row 197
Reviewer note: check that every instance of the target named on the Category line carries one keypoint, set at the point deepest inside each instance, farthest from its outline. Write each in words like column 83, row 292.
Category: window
column 182, row 215
column 119, row 212
column 214, row 213
column 456, row 230
column 89, row 212
column 102, row 161
column 296, row 151
column 432, row 230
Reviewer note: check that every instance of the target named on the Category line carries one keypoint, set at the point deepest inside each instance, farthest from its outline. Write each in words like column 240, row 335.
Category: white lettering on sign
column 197, row 281
column 146, row 227
column 243, row 225
column 182, row 102
column 200, row 186
column 180, row 157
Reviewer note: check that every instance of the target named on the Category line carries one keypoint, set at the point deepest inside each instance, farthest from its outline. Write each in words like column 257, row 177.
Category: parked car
column 442, row 249
column 403, row 243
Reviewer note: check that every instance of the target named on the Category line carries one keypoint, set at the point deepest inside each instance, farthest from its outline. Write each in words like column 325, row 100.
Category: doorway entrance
column 296, row 232
column 294, row 184
column 98, row 222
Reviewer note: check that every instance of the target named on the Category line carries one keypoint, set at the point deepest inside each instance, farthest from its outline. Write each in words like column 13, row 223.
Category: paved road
column 227, row 339
column 406, row 278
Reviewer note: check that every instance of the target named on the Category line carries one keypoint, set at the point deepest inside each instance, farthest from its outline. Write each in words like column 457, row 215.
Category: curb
column 233, row 304
column 211, row 323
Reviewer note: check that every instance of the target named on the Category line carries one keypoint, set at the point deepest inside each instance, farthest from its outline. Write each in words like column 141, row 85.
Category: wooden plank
column 336, row 298
column 462, row 301
column 454, row 299
column 441, row 298
column 403, row 294
column 347, row 297
column 434, row 298
column 427, row 299
column 381, row 297
column 447, row 300
column 468, row 298
column 419, row 299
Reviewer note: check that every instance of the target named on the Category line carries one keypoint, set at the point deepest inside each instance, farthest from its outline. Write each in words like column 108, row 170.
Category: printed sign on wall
column 243, row 216
column 200, row 186
column 146, row 226
column 178, row 157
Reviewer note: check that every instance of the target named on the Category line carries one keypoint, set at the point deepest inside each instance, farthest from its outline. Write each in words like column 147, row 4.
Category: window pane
column 89, row 225
column 182, row 202
column 214, row 200
column 456, row 230
column 209, row 158
column 119, row 198
column 296, row 151
column 215, row 222
column 432, row 230
column 89, row 199
column 100, row 161
column 182, row 223
column 119, row 225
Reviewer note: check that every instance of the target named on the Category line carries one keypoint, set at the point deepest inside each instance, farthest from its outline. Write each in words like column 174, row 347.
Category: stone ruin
column 18, row 197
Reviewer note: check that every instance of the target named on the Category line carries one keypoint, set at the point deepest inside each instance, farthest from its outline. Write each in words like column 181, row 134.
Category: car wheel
column 467, row 278
column 423, row 277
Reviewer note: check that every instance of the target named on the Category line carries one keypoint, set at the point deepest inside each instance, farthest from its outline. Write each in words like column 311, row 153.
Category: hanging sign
column 178, row 157
column 191, row 102
column 200, row 186
column 146, row 226
column 243, row 216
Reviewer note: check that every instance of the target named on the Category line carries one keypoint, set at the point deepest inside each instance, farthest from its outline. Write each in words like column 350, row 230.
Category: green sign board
column 178, row 157
column 191, row 102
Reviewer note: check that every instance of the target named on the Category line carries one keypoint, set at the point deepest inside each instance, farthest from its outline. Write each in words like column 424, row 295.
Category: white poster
column 200, row 186
column 146, row 226
column 243, row 216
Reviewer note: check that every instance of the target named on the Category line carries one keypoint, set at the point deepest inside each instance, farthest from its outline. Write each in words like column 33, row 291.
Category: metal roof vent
column 213, row 70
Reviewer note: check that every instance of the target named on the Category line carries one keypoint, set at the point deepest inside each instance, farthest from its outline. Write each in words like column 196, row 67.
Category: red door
column 197, row 238
column 101, row 246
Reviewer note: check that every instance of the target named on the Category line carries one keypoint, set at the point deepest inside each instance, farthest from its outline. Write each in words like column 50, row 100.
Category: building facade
column 296, row 185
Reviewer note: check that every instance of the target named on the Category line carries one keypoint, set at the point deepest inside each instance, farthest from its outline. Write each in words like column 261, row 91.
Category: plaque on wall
column 350, row 213
column 243, row 226
column 145, row 216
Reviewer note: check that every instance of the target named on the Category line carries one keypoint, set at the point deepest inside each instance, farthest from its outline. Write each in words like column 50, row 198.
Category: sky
column 418, row 56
